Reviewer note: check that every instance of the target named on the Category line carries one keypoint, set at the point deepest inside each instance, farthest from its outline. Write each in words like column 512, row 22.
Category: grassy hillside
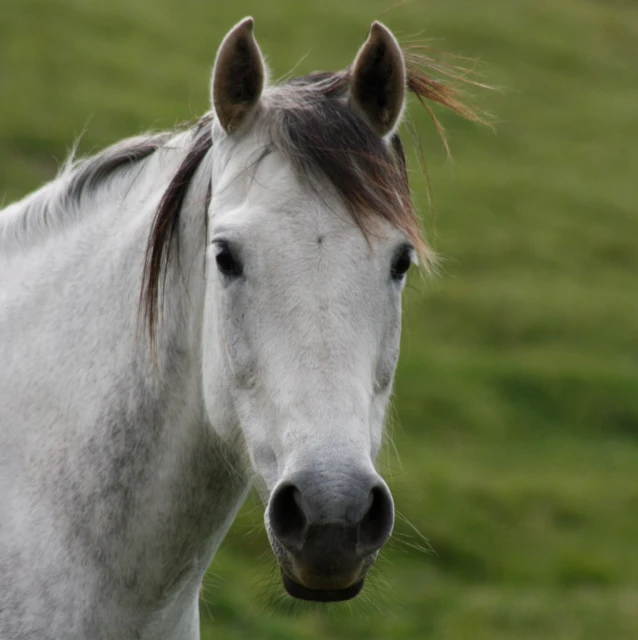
column 516, row 412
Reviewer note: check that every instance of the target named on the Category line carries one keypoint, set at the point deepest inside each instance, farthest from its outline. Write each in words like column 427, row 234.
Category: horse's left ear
column 238, row 77
column 377, row 80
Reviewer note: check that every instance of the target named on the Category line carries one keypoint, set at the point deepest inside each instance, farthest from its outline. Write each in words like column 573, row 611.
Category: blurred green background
column 516, row 409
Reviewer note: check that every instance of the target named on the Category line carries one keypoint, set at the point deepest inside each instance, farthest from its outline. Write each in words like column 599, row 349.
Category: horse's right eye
column 227, row 263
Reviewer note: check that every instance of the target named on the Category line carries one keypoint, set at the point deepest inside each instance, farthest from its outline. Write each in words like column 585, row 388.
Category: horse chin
column 321, row 579
column 300, row 592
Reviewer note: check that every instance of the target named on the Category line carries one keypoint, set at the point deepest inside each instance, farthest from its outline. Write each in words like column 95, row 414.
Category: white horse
column 270, row 243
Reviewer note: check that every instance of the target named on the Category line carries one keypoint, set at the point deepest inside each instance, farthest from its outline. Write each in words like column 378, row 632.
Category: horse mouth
column 300, row 592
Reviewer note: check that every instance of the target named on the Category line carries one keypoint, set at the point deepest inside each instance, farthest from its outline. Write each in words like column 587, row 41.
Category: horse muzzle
column 327, row 531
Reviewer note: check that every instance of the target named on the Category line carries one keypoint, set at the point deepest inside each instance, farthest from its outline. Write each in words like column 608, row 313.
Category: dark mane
column 90, row 173
column 309, row 121
column 166, row 222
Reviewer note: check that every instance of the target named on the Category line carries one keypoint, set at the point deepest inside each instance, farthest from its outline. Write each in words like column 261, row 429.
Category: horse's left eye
column 401, row 262
column 227, row 263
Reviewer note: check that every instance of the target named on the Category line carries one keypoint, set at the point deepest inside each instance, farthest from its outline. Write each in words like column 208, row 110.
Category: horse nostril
column 287, row 518
column 376, row 525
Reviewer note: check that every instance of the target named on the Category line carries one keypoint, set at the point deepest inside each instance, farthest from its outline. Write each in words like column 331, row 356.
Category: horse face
column 303, row 316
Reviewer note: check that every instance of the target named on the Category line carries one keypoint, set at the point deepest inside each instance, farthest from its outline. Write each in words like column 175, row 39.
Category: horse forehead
column 307, row 231
column 278, row 206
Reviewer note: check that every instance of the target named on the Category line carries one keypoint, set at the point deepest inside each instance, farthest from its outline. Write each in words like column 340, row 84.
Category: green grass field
column 516, row 410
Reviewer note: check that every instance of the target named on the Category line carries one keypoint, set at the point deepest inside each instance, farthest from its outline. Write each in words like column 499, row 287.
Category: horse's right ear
column 238, row 77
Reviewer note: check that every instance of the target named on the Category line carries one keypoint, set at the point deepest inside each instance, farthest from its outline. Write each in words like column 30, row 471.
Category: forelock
column 310, row 121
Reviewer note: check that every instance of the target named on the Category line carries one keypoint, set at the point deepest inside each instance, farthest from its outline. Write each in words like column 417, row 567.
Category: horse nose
column 356, row 507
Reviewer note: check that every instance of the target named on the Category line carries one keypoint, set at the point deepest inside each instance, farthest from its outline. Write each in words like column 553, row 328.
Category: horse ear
column 238, row 77
column 377, row 80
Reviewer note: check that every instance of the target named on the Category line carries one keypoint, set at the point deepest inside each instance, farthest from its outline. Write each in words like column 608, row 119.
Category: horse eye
column 227, row 263
column 401, row 263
